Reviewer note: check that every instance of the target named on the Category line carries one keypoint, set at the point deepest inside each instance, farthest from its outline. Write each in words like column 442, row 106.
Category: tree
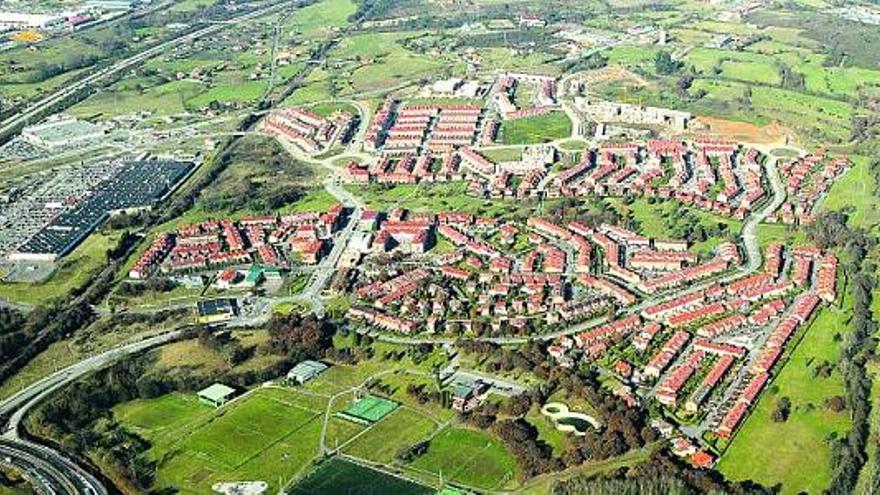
column 789, row 79
column 683, row 84
column 782, row 411
column 836, row 403
column 665, row 65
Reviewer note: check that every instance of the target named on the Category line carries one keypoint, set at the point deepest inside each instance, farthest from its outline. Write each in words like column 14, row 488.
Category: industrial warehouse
column 135, row 185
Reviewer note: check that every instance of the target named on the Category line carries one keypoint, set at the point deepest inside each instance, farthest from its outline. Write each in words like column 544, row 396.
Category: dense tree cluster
column 665, row 65
column 224, row 344
column 410, row 453
column 299, row 336
column 790, row 79
column 782, row 411
column 153, row 284
column 660, row 475
column 521, row 439
column 624, row 428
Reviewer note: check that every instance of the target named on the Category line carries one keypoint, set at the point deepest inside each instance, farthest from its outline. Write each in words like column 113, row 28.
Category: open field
column 468, row 456
column 270, row 434
column 341, row 476
column 856, row 194
column 207, row 362
column 668, row 219
column 322, row 18
column 539, row 129
column 770, row 452
column 400, row 429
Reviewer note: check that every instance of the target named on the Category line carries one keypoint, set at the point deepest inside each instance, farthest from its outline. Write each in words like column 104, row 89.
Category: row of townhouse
column 803, row 308
column 623, row 168
column 306, row 129
column 806, row 180
column 216, row 243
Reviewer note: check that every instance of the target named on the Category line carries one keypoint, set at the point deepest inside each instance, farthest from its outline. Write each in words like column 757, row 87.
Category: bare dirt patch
column 614, row 73
column 773, row 134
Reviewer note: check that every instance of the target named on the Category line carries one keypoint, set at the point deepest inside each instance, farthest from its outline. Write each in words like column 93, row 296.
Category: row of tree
column 831, row 231
column 660, row 475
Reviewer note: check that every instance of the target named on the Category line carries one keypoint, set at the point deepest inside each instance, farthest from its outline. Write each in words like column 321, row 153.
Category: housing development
column 439, row 247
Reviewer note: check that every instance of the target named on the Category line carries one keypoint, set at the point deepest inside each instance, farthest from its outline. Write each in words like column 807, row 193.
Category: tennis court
column 369, row 409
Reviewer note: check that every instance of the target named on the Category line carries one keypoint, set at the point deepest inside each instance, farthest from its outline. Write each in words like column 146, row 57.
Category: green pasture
column 769, row 452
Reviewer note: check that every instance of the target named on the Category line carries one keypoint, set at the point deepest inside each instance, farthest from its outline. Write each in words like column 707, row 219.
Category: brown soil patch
column 771, row 134
column 614, row 73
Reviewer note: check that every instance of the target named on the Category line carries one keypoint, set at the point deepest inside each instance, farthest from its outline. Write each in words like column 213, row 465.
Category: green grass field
column 400, row 429
column 370, row 408
column 663, row 219
column 271, row 434
column 795, row 453
column 72, row 271
column 471, row 457
column 538, row 129
column 381, row 62
column 159, row 419
column 338, row 476
column 321, row 18
column 502, row 154
column 855, row 193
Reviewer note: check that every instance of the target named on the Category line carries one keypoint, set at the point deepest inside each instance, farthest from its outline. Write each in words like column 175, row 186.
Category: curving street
column 48, row 470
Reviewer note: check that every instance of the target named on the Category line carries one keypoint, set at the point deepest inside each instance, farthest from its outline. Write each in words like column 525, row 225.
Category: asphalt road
column 36, row 110
column 48, row 470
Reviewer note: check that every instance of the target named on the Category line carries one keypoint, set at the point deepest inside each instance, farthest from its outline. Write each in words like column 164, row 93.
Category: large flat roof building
column 215, row 310
column 138, row 185
column 62, row 134
column 216, row 395
column 305, row 371
column 16, row 20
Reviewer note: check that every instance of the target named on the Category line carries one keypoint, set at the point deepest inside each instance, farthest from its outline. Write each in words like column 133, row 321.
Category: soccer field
column 380, row 444
column 270, row 435
column 338, row 476
column 472, row 457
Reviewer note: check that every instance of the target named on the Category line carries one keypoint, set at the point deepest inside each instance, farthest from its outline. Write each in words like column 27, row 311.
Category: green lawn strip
column 869, row 472
column 856, row 194
column 795, row 453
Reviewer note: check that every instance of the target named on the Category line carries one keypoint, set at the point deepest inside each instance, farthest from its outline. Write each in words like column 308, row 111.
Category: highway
column 36, row 110
column 48, row 470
